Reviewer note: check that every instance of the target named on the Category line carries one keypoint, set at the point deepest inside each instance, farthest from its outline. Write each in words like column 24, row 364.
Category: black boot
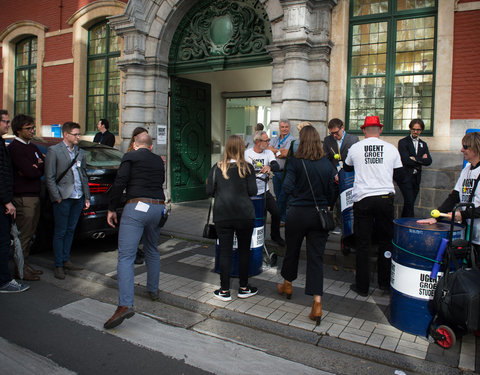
column 140, row 256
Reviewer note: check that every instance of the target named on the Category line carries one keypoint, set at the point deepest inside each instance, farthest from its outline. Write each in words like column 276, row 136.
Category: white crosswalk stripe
column 196, row 349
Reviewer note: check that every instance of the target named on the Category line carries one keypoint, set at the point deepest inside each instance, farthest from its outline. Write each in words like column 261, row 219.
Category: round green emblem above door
column 221, row 30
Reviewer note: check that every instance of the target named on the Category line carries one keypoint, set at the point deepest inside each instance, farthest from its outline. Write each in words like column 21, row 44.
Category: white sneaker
column 13, row 287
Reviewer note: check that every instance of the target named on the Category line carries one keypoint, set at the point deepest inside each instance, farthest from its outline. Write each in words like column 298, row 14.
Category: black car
column 102, row 165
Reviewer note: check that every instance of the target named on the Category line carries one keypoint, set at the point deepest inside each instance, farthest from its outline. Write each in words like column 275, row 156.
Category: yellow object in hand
column 435, row 213
column 336, row 156
column 259, row 164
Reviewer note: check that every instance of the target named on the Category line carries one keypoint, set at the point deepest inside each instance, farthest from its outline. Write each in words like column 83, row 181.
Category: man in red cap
column 374, row 162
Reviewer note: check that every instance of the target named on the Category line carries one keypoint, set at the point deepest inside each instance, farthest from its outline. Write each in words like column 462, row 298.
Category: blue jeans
column 133, row 225
column 5, row 222
column 66, row 215
column 278, row 190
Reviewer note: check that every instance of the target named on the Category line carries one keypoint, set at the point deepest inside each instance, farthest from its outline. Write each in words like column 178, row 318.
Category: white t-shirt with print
column 374, row 161
column 265, row 158
column 464, row 187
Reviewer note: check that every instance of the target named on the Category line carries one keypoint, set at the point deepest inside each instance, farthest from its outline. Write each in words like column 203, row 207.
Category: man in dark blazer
column 337, row 143
column 414, row 153
column 69, row 194
column 104, row 137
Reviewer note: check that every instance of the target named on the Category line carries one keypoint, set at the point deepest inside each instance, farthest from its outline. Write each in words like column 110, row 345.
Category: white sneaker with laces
column 13, row 287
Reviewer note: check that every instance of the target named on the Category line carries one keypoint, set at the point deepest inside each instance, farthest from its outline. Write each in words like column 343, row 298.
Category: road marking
column 20, row 361
column 195, row 349
column 188, row 248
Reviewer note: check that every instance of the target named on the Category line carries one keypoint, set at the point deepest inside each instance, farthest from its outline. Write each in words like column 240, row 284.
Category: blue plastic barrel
column 256, row 246
column 414, row 251
column 346, row 180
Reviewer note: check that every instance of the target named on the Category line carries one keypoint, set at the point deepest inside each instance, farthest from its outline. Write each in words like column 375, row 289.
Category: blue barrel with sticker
column 414, row 253
column 346, row 180
column 256, row 245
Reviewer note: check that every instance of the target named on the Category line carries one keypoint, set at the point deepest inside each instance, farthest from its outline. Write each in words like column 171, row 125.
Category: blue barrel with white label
column 346, row 180
column 256, row 246
column 414, row 251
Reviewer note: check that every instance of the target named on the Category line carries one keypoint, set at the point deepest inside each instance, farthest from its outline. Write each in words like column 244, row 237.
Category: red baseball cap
column 371, row 121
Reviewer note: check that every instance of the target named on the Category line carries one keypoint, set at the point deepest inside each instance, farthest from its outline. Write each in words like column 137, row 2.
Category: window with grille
column 25, row 76
column 391, row 70
column 103, row 77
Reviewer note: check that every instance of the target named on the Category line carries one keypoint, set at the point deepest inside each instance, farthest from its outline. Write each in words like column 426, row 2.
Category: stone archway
column 300, row 51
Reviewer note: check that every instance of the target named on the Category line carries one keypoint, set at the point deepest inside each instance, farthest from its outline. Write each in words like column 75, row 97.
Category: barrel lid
column 411, row 222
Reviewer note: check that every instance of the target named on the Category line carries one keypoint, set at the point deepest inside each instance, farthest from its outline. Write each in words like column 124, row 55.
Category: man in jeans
column 67, row 183
column 142, row 175
column 7, row 284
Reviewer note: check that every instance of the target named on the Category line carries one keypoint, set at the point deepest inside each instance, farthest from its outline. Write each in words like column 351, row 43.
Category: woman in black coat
column 232, row 183
column 302, row 217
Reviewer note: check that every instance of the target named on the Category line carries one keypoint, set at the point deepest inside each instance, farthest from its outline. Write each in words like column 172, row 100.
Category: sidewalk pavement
column 350, row 324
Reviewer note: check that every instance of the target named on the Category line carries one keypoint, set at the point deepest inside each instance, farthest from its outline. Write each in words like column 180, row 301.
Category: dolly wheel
column 449, row 335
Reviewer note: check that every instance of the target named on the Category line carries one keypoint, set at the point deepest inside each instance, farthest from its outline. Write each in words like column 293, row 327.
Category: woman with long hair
column 138, row 130
column 232, row 182
column 302, row 217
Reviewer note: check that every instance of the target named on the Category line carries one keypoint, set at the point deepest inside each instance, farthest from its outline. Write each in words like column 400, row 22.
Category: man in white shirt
column 264, row 162
column 374, row 162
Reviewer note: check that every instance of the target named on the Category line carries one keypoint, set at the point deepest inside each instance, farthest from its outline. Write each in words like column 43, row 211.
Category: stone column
column 300, row 63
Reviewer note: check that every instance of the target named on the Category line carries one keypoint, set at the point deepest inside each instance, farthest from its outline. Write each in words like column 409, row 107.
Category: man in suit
column 68, row 191
column 337, row 143
column 414, row 153
column 104, row 137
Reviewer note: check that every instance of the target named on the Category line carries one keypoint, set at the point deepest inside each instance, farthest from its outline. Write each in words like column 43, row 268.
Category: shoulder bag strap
column 309, row 184
column 211, row 199
column 66, row 170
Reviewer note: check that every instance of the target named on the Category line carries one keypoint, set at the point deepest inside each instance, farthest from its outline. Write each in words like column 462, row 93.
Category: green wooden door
column 190, row 116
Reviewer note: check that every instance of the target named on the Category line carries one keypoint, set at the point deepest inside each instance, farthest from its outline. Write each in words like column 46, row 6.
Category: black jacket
column 330, row 147
column 232, row 195
column 6, row 175
column 406, row 149
column 108, row 138
column 142, row 174
column 321, row 173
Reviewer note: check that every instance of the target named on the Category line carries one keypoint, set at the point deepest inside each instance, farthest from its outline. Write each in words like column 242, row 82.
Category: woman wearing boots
column 302, row 217
column 232, row 182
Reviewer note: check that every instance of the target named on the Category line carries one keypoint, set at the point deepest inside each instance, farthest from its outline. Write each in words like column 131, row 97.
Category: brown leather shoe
column 29, row 276
column 122, row 313
column 68, row 265
column 33, row 270
column 316, row 313
column 285, row 288
column 59, row 273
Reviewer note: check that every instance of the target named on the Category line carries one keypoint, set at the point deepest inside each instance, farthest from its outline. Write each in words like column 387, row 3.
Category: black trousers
column 303, row 222
column 5, row 222
column 225, row 230
column 272, row 207
column 370, row 212
column 410, row 188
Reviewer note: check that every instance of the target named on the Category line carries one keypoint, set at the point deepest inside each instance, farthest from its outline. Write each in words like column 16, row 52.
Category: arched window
column 25, row 76
column 103, row 77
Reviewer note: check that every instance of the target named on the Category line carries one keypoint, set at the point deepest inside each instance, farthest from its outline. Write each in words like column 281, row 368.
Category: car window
column 100, row 157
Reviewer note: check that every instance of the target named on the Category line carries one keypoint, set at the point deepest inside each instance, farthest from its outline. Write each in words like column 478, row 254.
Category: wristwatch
column 278, row 153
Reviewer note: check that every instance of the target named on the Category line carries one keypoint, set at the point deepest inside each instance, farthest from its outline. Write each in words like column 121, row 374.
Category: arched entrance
column 212, row 36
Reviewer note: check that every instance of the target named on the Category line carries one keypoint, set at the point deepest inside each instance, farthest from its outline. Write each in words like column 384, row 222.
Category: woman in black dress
column 232, row 183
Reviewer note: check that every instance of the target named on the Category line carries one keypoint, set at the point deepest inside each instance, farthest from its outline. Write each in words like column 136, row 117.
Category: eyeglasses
column 266, row 140
column 416, row 130
column 465, row 147
column 6, row 121
column 335, row 133
column 29, row 128
column 75, row 134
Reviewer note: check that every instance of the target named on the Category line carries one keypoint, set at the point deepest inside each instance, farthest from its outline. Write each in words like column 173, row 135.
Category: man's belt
column 146, row 200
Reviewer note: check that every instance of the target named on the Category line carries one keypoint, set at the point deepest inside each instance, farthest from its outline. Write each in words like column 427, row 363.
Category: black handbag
column 326, row 216
column 209, row 230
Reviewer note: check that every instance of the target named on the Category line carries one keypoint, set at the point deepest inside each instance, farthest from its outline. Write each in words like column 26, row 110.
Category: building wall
column 59, row 97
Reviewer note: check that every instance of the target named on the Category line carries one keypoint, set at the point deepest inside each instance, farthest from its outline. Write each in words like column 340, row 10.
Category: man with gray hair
column 264, row 162
column 280, row 146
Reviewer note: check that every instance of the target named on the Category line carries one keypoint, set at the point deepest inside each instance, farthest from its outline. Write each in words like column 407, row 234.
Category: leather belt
column 146, row 200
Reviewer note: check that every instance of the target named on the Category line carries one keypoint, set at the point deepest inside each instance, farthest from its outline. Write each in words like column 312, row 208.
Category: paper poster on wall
column 161, row 134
